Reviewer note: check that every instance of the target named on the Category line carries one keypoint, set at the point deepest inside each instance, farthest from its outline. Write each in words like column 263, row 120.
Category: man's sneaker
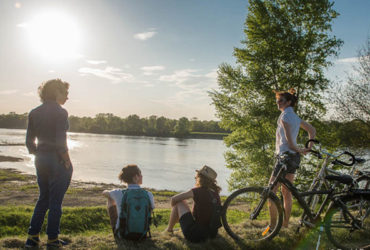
column 33, row 241
column 56, row 243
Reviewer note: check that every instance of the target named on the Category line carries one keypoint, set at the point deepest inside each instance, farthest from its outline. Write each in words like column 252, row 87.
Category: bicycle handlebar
column 336, row 161
column 316, row 153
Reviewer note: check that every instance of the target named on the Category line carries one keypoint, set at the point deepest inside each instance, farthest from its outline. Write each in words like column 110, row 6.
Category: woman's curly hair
column 206, row 182
column 49, row 90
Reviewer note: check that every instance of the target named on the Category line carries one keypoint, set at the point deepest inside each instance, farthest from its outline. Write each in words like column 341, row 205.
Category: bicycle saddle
column 345, row 179
column 359, row 160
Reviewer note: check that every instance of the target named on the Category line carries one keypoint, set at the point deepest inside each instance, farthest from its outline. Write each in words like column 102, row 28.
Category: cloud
column 347, row 60
column 179, row 76
column 30, row 94
column 212, row 74
column 96, row 62
column 24, row 25
column 114, row 74
column 149, row 70
column 193, row 86
column 145, row 35
column 8, row 92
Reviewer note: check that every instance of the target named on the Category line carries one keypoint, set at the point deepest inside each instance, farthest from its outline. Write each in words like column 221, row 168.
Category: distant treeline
column 131, row 125
column 331, row 133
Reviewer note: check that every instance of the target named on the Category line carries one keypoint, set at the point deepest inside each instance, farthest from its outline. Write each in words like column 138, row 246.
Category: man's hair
column 48, row 90
column 128, row 172
column 288, row 95
column 203, row 181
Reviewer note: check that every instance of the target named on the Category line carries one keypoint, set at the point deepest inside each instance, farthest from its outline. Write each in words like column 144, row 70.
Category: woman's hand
column 67, row 164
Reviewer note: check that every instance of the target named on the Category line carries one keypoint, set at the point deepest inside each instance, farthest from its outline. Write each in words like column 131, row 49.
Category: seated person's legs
column 177, row 211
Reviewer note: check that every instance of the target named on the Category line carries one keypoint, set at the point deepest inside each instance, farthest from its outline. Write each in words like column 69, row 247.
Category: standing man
column 48, row 123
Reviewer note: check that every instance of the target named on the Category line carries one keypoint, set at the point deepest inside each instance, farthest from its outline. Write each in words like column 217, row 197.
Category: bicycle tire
column 363, row 182
column 342, row 231
column 236, row 215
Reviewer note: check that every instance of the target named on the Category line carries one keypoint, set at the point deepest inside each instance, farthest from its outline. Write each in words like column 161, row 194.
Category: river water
column 166, row 163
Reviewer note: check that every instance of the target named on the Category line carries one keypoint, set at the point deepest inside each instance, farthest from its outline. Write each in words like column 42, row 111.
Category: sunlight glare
column 54, row 35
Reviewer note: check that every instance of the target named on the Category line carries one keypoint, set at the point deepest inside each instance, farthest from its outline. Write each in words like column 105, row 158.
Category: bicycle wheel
column 346, row 232
column 363, row 182
column 238, row 208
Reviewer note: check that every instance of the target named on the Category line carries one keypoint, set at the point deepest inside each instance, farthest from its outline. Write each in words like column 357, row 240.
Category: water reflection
column 167, row 163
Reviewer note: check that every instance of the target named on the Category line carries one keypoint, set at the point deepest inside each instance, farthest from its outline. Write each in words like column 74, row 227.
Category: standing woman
column 288, row 125
column 195, row 225
column 48, row 123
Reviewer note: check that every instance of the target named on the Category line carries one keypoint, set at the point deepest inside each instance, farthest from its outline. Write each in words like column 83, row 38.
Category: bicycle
column 356, row 179
column 246, row 213
column 325, row 174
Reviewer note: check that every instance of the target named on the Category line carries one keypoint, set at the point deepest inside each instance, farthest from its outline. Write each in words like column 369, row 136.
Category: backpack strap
column 124, row 201
column 123, row 210
column 150, row 209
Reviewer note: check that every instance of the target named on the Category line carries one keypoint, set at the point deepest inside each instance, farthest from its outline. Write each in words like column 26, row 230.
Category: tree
column 286, row 46
column 182, row 127
column 352, row 100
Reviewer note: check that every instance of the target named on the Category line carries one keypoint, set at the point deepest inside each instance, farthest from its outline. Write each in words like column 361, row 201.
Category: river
column 166, row 163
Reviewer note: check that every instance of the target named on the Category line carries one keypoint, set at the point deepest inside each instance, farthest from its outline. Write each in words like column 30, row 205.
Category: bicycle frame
column 297, row 195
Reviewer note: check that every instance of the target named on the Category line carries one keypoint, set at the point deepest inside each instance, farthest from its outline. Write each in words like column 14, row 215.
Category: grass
column 86, row 225
column 88, row 228
column 13, row 175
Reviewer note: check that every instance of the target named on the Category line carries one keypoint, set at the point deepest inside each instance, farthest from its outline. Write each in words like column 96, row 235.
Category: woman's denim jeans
column 53, row 180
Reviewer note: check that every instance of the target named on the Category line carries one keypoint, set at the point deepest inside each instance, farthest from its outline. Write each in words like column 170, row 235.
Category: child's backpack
column 135, row 215
column 215, row 221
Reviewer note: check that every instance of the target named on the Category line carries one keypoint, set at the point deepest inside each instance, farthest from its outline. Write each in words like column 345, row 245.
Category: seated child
column 130, row 209
column 195, row 225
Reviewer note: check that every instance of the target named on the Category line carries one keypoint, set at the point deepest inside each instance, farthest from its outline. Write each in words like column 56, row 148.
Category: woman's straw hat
column 207, row 172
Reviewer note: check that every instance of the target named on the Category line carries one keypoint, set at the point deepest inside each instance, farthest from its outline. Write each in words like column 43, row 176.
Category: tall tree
column 287, row 45
column 182, row 127
column 353, row 98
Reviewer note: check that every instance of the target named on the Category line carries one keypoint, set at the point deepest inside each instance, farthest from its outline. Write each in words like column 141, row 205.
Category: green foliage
column 131, row 125
column 13, row 120
column 182, row 127
column 286, row 46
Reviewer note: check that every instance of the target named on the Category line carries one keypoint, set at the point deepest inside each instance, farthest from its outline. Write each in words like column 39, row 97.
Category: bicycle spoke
column 349, row 230
column 239, row 208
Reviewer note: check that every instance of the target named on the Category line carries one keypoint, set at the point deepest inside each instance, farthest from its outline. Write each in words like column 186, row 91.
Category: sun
column 54, row 35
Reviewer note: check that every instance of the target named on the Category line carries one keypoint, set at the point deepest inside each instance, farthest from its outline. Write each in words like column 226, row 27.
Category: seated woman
column 195, row 225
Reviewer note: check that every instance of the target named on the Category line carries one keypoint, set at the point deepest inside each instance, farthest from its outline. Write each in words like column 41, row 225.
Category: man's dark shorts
column 292, row 161
column 192, row 231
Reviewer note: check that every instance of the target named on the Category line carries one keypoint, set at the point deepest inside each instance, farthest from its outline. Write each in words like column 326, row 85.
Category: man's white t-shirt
column 117, row 196
column 294, row 121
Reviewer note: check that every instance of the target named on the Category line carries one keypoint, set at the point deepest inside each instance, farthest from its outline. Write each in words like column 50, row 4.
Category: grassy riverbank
column 85, row 223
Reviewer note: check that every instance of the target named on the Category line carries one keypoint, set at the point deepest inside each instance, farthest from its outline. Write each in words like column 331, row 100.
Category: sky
column 144, row 57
